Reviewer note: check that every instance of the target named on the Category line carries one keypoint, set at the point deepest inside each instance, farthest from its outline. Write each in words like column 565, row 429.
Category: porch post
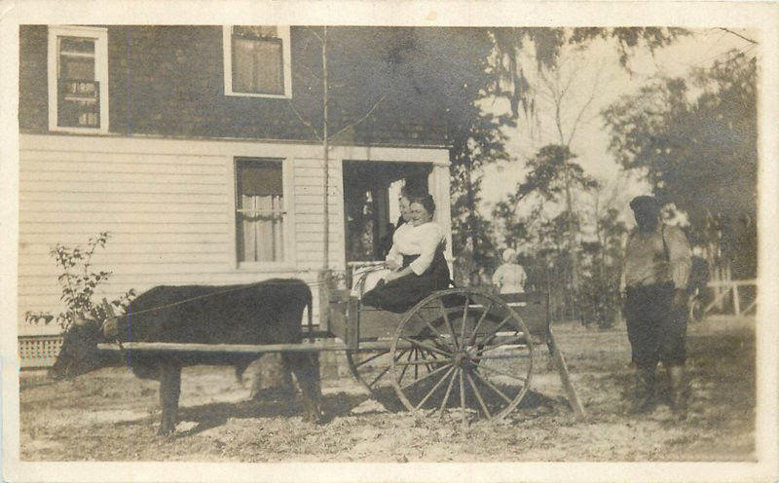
column 438, row 181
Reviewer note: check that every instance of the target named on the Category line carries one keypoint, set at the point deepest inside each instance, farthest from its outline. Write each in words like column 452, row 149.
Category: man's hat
column 644, row 203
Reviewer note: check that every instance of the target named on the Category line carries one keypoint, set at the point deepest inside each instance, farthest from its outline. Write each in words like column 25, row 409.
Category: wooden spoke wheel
column 461, row 350
column 371, row 367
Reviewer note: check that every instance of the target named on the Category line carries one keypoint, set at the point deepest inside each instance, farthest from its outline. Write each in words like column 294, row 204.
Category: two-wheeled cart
column 459, row 350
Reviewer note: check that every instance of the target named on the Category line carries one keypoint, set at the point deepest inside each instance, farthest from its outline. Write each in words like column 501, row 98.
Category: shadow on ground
column 277, row 402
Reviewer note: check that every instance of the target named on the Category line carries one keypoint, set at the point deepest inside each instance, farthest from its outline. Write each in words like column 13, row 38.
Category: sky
column 597, row 81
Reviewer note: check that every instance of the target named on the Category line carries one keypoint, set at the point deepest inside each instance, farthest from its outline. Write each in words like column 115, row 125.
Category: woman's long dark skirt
column 401, row 294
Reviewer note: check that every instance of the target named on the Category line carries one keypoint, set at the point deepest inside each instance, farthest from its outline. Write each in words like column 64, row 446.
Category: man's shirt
column 648, row 262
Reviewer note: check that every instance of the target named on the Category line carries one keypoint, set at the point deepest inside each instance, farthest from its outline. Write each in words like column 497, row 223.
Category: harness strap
column 199, row 297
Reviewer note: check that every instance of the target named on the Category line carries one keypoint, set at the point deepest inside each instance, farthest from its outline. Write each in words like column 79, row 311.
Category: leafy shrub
column 79, row 283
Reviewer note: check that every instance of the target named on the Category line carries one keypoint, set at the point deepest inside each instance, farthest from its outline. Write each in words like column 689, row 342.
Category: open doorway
column 371, row 191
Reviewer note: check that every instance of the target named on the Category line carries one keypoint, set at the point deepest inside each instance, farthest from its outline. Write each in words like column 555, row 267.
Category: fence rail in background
column 725, row 288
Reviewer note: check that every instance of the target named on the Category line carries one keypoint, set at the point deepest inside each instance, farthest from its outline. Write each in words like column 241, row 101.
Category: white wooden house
column 191, row 146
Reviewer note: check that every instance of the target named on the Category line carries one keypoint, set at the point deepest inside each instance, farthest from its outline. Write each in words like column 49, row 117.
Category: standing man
column 657, row 266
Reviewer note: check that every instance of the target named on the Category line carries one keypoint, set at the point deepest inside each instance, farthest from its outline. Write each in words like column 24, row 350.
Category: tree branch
column 358, row 121
column 738, row 35
column 568, row 84
column 584, row 108
column 305, row 123
column 309, row 72
column 316, row 34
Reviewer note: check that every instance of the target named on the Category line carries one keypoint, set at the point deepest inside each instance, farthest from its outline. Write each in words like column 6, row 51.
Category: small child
column 510, row 277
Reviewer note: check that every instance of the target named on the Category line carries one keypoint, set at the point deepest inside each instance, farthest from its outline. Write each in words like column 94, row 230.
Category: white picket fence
column 725, row 290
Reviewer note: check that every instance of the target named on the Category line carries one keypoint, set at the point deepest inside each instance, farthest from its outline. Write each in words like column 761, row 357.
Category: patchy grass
column 109, row 415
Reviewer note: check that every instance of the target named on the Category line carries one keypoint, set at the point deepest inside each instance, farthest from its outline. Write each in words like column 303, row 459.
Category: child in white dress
column 510, row 277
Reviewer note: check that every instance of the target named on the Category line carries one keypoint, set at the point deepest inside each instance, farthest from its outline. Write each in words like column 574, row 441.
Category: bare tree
column 566, row 94
column 323, row 132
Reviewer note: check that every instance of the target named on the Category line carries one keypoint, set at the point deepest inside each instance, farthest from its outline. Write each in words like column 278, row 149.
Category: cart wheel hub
column 462, row 358
column 458, row 359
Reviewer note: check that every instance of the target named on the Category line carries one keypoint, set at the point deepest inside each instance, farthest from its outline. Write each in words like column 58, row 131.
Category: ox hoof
column 314, row 418
column 166, row 430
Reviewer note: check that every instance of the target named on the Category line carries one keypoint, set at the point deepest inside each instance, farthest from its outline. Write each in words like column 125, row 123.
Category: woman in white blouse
column 416, row 261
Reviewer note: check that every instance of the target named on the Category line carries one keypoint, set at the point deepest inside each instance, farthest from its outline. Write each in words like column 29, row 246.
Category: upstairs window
column 78, row 79
column 260, row 210
column 257, row 61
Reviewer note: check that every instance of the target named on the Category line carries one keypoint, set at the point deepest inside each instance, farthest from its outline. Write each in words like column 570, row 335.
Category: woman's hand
column 392, row 265
column 391, row 276
column 395, row 274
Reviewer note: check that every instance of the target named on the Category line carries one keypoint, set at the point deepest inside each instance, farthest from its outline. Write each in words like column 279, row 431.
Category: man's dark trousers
column 657, row 332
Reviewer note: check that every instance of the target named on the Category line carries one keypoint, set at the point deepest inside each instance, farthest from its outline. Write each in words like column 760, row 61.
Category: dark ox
column 268, row 312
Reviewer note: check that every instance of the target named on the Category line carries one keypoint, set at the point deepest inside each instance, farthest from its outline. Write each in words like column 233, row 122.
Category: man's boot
column 677, row 385
column 644, row 397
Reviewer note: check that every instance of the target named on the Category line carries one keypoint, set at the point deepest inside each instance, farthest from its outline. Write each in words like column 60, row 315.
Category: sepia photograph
column 434, row 241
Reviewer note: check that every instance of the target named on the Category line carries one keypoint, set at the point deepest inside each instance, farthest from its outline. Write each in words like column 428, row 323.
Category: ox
column 268, row 312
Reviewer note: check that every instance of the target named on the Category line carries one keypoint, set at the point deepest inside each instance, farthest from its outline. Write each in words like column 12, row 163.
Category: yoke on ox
column 263, row 313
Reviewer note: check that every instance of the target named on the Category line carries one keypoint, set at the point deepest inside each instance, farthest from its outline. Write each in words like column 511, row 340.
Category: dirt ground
column 109, row 415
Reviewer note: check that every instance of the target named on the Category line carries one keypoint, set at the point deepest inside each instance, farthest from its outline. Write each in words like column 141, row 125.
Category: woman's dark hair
column 425, row 200
column 412, row 188
column 411, row 192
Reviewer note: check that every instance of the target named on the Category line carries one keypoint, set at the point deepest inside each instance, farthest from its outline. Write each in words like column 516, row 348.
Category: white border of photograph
column 762, row 18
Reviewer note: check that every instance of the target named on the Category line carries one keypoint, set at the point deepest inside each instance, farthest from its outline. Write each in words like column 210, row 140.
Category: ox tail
column 310, row 310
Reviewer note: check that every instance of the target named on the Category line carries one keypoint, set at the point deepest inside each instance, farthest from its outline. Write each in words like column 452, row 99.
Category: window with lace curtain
column 260, row 210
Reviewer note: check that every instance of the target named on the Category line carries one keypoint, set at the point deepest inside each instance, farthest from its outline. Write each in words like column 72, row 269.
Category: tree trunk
column 326, row 154
column 470, row 223
column 571, row 241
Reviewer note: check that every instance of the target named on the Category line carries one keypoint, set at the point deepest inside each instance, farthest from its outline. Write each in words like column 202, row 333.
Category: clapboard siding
column 316, row 228
column 110, row 157
column 128, row 268
column 34, row 193
column 303, row 178
column 316, row 218
column 315, row 209
column 107, row 163
column 110, row 188
column 312, row 200
column 127, row 179
column 121, row 249
column 109, row 167
column 101, row 258
column 169, row 207
column 309, row 212
column 124, row 151
column 142, row 239
column 121, row 229
column 123, row 207
column 169, row 216
column 125, row 217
